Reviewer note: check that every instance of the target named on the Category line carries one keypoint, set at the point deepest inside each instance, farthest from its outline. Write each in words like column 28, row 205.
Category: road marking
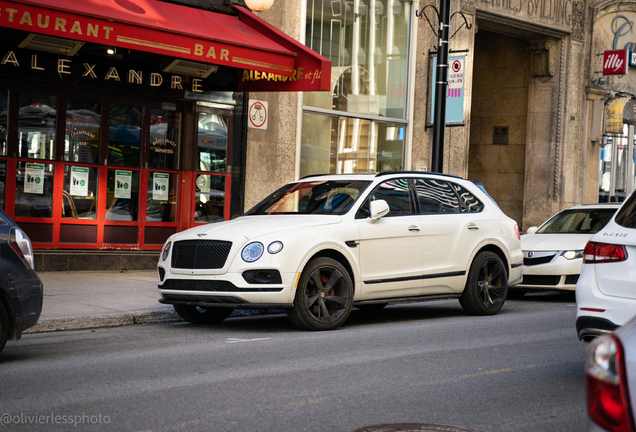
column 236, row 340
column 309, row 402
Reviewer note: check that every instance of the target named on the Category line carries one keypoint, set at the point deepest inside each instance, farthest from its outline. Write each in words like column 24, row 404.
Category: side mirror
column 532, row 230
column 378, row 208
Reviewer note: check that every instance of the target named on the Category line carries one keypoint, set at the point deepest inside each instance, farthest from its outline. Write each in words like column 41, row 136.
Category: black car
column 20, row 287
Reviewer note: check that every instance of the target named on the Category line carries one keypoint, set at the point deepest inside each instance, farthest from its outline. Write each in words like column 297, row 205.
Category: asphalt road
column 521, row 370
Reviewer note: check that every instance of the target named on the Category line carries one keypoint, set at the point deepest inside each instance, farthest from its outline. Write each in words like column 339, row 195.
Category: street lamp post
column 441, row 85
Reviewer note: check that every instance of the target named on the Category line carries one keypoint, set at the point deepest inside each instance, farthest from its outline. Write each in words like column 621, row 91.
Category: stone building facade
column 528, row 103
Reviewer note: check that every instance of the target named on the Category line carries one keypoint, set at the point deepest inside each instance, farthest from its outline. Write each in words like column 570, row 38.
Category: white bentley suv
column 320, row 245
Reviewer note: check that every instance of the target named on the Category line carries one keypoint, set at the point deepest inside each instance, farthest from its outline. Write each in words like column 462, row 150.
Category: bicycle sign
column 257, row 114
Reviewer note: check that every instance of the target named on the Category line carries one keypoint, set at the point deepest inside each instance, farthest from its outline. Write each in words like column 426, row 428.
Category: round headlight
column 166, row 251
column 252, row 252
column 275, row 247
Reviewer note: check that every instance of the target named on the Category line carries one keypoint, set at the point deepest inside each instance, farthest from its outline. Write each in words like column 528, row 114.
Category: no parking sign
column 257, row 114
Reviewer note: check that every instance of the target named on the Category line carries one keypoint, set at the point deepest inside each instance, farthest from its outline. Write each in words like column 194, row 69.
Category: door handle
column 414, row 228
column 473, row 227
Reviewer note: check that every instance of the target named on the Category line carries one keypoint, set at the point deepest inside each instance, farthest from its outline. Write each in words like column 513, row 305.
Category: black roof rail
column 416, row 172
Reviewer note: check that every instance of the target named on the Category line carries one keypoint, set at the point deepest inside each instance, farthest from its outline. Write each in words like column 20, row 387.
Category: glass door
column 213, row 169
column 617, row 167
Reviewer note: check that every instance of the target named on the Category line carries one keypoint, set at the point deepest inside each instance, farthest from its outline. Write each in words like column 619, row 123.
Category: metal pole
column 441, row 86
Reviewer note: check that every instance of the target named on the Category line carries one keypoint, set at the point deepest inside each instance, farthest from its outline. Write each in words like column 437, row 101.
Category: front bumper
column 559, row 274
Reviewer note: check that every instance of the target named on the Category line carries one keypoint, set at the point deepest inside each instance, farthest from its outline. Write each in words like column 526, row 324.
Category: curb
column 97, row 321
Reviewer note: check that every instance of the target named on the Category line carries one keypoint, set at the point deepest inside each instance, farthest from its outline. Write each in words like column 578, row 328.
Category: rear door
column 450, row 231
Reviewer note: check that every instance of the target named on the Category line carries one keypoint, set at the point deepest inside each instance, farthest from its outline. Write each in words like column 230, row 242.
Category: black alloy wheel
column 202, row 315
column 487, row 285
column 324, row 296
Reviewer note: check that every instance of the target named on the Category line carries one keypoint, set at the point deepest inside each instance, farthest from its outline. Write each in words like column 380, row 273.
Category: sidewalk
column 81, row 300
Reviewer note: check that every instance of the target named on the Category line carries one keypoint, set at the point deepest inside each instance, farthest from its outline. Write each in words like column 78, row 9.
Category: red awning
column 312, row 72
column 157, row 27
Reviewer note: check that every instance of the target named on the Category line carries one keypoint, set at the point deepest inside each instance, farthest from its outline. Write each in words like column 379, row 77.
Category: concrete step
column 94, row 260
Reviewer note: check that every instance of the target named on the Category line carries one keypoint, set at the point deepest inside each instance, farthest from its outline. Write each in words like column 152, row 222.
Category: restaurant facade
column 123, row 122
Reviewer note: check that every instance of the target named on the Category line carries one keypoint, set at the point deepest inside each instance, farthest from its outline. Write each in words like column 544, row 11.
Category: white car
column 610, row 375
column 323, row 244
column 606, row 290
column 553, row 252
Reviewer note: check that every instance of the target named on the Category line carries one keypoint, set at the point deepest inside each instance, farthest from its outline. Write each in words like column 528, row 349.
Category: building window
column 161, row 205
column 36, row 130
column 124, row 138
column 4, row 109
column 212, row 145
column 83, row 121
column 80, row 192
column 122, row 195
column 3, row 181
column 209, row 205
column 337, row 145
column 368, row 44
column 165, row 139
column 34, row 190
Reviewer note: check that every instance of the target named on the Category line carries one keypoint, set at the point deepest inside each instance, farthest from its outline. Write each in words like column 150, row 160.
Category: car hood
column 547, row 242
column 251, row 227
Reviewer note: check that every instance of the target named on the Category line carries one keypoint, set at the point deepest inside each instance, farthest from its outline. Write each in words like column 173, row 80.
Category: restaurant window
column 34, row 190
column 210, row 199
column 83, row 121
column 122, row 195
column 124, row 136
column 80, row 192
column 4, row 109
column 36, row 126
column 162, row 197
column 165, row 138
column 337, row 145
column 212, row 145
column 3, row 182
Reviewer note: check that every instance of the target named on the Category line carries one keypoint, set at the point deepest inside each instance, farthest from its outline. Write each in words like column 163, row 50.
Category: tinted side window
column 396, row 193
column 470, row 201
column 436, row 196
column 626, row 215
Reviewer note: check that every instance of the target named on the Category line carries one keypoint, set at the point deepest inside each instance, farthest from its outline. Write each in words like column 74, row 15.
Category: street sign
column 257, row 114
column 615, row 62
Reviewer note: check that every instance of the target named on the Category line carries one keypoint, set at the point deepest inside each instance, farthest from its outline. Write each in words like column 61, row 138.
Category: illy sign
column 615, row 62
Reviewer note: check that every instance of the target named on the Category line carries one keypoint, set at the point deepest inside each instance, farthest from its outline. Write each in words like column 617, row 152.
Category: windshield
column 582, row 221
column 312, row 197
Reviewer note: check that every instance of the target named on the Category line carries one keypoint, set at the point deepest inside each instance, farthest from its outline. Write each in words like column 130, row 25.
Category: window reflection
column 83, row 121
column 124, row 138
column 161, row 205
column 4, row 107
column 36, row 130
column 122, row 195
column 338, row 145
column 210, row 199
column 212, row 142
column 3, row 181
column 34, row 190
column 165, row 135
column 80, row 192
column 367, row 43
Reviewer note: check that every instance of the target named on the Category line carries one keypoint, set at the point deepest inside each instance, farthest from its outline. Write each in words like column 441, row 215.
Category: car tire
column 372, row 307
column 487, row 285
column 324, row 296
column 4, row 327
column 203, row 315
